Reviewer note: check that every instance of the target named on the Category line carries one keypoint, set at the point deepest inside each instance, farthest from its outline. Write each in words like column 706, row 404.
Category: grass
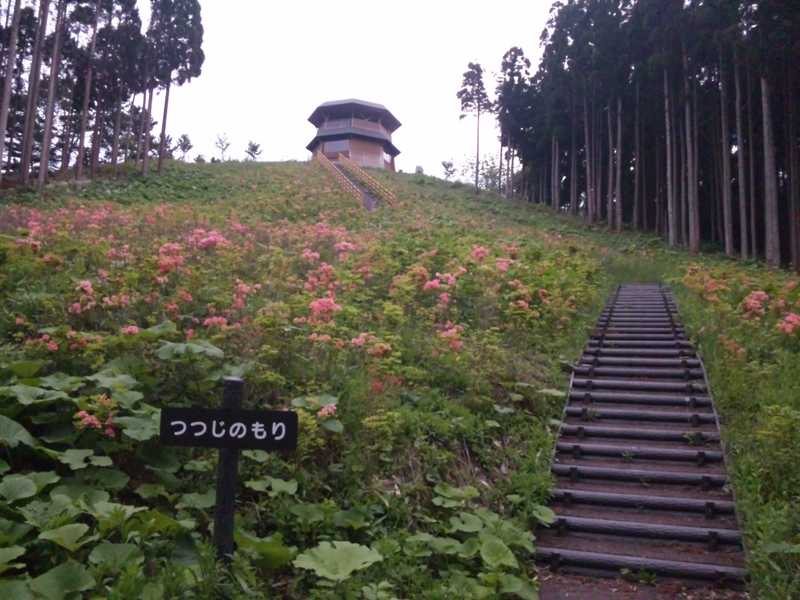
column 439, row 424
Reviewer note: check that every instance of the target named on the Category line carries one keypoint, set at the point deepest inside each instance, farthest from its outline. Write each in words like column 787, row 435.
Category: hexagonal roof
column 344, row 108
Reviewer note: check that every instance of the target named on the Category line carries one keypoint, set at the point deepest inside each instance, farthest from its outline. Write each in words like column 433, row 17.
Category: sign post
column 230, row 429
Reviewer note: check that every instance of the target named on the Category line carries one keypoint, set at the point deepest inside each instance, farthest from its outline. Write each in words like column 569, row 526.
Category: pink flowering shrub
column 789, row 324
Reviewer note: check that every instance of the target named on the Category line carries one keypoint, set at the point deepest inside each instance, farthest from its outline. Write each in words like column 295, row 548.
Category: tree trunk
column 115, row 142
column 637, row 175
column 148, row 126
column 727, row 208
column 772, row 239
column 741, row 184
column 99, row 117
column 610, row 182
column 573, row 164
column 87, row 91
column 794, row 184
column 587, row 145
column 618, row 192
column 751, row 138
column 672, row 225
column 163, row 141
column 500, row 167
column 34, row 78
column 11, row 59
column 680, row 143
column 44, row 162
column 477, row 146
column 142, row 117
column 691, row 167
column 65, row 145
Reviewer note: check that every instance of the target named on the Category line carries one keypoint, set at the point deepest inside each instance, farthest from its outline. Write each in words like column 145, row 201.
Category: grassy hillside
column 421, row 345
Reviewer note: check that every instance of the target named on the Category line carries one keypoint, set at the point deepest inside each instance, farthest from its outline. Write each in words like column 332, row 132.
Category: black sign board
column 229, row 428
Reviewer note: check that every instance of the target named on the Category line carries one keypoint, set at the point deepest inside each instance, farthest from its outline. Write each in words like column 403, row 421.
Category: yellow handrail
column 343, row 181
column 373, row 184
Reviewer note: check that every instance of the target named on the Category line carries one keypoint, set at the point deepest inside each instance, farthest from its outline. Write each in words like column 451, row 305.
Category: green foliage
column 424, row 436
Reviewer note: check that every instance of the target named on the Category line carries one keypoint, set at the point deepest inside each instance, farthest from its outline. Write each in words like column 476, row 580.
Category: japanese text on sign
column 221, row 428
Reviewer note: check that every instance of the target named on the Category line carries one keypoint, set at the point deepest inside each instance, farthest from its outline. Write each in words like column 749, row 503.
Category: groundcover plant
column 423, row 347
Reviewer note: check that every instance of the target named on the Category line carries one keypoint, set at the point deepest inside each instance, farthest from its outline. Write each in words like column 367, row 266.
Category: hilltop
column 423, row 346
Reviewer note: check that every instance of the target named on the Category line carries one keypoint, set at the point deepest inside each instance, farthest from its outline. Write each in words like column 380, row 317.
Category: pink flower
column 444, row 299
column 753, row 304
column 503, row 264
column 319, row 338
column 221, row 322
column 789, row 324
column 478, row 253
column 362, row 339
column 87, row 420
column 323, row 309
column 190, row 334
column 130, row 330
column 327, row 411
column 310, row 255
column 85, row 286
column 433, row 284
column 52, row 346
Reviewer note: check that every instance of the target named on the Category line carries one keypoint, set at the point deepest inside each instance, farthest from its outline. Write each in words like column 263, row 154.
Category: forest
column 678, row 117
column 79, row 78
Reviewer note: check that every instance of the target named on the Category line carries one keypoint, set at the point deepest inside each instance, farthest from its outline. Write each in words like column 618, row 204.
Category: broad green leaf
column 544, row 515
column 12, row 531
column 198, row 501
column 25, row 369
column 272, row 552
column 495, row 553
column 27, row 394
column 12, row 434
column 199, row 466
column 17, row 487
column 334, row 425
column 111, row 380
column 445, row 545
column 67, row 536
column 279, row 486
column 75, row 491
column 353, row 518
column 18, row 589
column 466, row 522
column 148, row 491
column 163, row 329
column 50, row 513
column 258, row 456
column 115, row 557
column 177, row 351
column 76, row 458
column 61, row 382
column 9, row 554
column 552, row 393
column 308, row 514
column 42, row 479
column 510, row 584
column 337, row 560
column 106, row 478
column 258, row 485
column 140, row 429
column 63, row 580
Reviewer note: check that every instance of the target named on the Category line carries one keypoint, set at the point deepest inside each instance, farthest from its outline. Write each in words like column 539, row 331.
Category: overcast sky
column 269, row 64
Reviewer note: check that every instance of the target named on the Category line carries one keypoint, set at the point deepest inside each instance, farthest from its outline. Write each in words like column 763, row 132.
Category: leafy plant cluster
column 420, row 347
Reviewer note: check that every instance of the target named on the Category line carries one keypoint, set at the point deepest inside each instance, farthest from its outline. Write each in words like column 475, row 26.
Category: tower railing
column 343, row 181
column 375, row 186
